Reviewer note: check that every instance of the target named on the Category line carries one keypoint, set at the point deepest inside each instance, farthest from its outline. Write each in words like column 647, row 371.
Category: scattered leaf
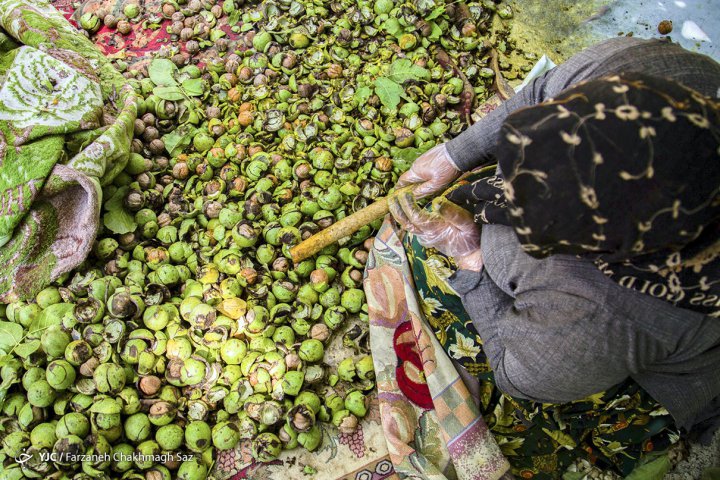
column 362, row 95
column 392, row 27
column 117, row 219
column 52, row 315
column 10, row 335
column 178, row 139
column 403, row 70
column 171, row 93
column 389, row 92
column 563, row 439
column 28, row 348
column 409, row 154
column 162, row 72
column 652, row 470
column 5, row 359
column 435, row 33
column 194, row 87
column 436, row 13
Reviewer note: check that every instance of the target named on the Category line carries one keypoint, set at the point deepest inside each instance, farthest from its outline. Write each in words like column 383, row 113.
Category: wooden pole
column 342, row 228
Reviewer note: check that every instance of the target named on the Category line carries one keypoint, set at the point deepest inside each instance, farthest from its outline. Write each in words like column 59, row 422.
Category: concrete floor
column 560, row 28
column 696, row 23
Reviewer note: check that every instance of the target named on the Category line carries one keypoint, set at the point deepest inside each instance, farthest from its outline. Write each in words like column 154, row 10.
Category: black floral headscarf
column 623, row 170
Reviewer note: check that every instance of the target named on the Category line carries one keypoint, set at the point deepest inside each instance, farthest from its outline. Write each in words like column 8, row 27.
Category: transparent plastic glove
column 433, row 171
column 447, row 227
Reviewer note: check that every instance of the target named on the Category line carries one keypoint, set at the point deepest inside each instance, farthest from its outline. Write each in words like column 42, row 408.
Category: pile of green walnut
column 189, row 329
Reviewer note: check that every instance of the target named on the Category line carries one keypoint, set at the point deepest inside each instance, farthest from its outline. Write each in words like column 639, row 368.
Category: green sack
column 66, row 125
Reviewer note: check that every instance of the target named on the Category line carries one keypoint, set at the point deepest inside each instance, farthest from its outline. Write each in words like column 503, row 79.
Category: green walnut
column 66, row 448
column 266, row 447
column 198, row 436
column 109, row 378
column 170, row 437
column 156, row 317
column 137, row 427
column 365, row 368
column 192, row 469
column 311, row 350
column 41, row 394
column 162, row 413
column 311, row 439
column 31, row 376
column 60, row 374
column 122, row 457
column 43, row 436
column 346, row 369
column 78, row 352
column 73, row 423
column 147, row 450
column 54, row 341
column 357, row 403
column 353, row 299
column 292, row 382
column 233, row 351
column 15, row 443
column 225, row 435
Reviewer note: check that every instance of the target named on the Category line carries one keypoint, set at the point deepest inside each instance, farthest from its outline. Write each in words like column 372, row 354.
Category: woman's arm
column 475, row 146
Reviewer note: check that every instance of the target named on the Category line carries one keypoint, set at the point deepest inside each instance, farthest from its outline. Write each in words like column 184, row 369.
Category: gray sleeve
column 475, row 146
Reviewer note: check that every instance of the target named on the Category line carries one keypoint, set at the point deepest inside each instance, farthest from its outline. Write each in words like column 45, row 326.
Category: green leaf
column 52, row 315
column 5, row 359
column 403, row 70
column 117, row 219
column 653, row 470
column 171, row 93
column 389, row 92
column 435, row 33
column 436, row 13
column 176, row 141
column 409, row 154
column 26, row 349
column 194, row 87
column 162, row 72
column 10, row 335
column 409, row 108
column 393, row 27
column 362, row 95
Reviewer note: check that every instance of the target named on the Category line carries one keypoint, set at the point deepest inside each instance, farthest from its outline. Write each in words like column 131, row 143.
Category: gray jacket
column 557, row 329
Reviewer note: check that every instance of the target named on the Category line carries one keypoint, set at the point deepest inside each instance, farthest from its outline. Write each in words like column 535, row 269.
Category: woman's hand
column 448, row 228
column 432, row 171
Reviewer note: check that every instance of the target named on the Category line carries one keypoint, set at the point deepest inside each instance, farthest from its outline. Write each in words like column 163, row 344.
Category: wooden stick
column 343, row 228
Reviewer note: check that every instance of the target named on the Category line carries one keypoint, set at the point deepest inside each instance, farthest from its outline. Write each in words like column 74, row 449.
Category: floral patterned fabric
column 615, row 430
column 432, row 424
column 66, row 123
